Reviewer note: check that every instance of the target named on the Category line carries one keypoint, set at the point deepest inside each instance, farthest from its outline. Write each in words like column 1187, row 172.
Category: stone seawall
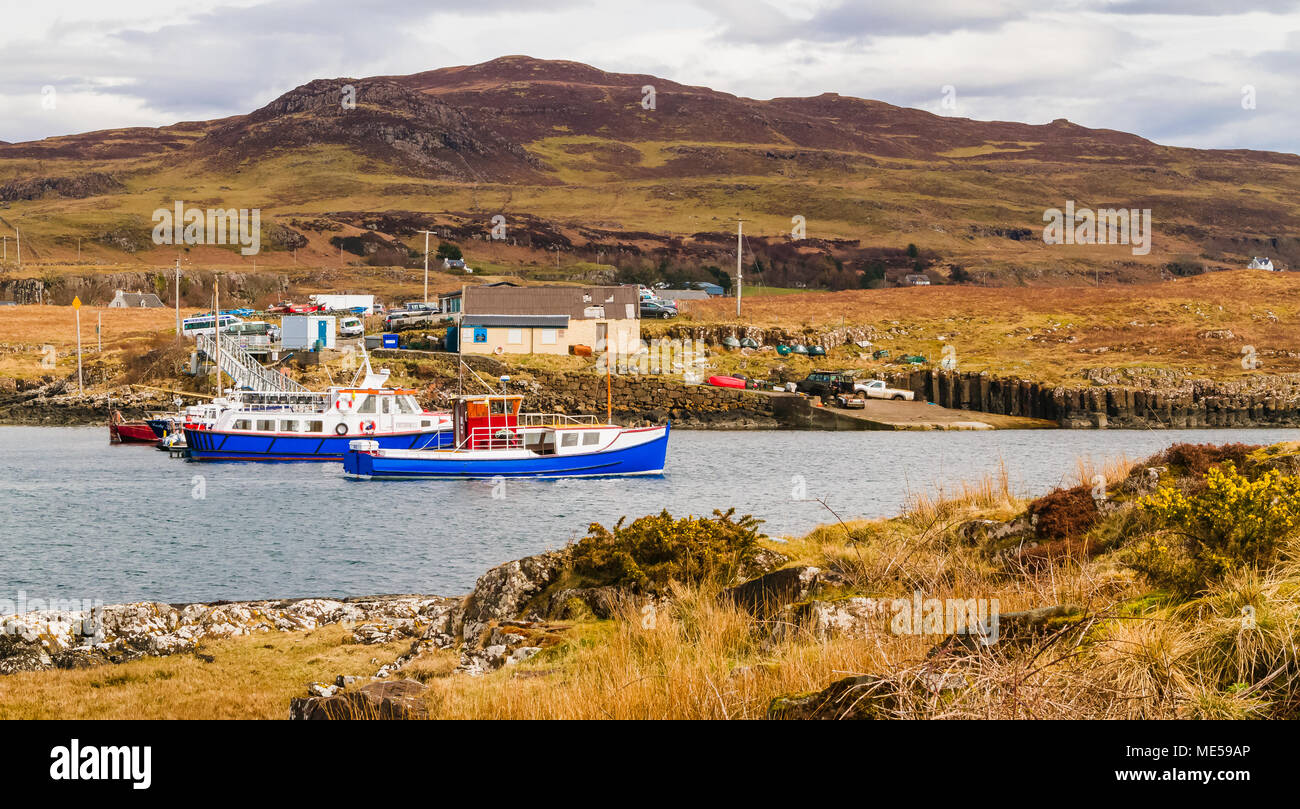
column 637, row 400
column 1263, row 401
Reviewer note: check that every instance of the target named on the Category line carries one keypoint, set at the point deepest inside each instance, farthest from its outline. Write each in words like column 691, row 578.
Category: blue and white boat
column 315, row 426
column 493, row 439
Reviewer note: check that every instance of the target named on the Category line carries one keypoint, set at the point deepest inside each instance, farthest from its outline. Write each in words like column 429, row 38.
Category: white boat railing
column 556, row 420
column 495, row 438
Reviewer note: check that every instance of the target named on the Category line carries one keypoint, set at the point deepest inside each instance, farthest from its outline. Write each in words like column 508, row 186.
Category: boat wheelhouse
column 493, row 438
column 316, row 426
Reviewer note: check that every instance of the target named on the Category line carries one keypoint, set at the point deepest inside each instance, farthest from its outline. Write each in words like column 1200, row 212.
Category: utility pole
column 426, row 264
column 18, row 236
column 78, row 248
column 99, row 331
column 740, row 273
column 76, row 307
column 178, row 296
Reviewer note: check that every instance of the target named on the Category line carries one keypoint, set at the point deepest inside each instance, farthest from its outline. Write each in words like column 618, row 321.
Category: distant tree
column 874, row 273
column 447, row 250
column 720, row 277
column 959, row 275
column 912, row 251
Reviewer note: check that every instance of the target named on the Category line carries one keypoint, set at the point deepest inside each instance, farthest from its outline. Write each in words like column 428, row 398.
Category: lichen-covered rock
column 504, row 591
column 114, row 634
column 850, row 617
column 393, row 699
column 767, row 595
column 866, row 696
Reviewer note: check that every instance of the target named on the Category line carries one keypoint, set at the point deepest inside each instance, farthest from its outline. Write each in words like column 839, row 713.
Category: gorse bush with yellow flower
column 1233, row 522
column 655, row 550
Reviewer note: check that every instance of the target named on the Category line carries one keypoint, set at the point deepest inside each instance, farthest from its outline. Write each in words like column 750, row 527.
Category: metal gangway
column 244, row 368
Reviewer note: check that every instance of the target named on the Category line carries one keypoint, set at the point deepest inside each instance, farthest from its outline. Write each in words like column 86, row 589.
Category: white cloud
column 1172, row 72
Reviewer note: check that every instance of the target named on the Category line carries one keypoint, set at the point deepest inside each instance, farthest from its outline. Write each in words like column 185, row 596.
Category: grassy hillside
column 580, row 170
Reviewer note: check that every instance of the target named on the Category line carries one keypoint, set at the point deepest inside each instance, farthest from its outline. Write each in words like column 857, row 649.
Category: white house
column 134, row 300
column 1260, row 264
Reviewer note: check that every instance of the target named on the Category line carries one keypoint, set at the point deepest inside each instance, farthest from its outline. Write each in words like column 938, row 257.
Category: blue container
column 390, row 341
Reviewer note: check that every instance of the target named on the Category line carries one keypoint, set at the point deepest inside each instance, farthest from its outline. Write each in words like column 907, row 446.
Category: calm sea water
column 82, row 519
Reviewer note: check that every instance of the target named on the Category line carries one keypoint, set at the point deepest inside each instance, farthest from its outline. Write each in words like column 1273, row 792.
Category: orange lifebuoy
column 368, row 426
column 499, row 350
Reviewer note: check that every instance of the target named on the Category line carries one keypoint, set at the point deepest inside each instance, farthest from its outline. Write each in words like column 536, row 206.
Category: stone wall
column 1262, row 401
column 638, row 399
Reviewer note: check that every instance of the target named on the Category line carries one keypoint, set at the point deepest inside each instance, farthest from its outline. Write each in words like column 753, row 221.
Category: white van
column 351, row 327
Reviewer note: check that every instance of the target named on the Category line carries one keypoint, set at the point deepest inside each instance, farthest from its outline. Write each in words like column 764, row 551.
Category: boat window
column 268, row 426
column 243, row 424
column 426, row 423
column 569, row 440
column 499, row 407
column 588, row 439
column 288, row 426
column 315, row 427
column 406, row 404
column 367, row 404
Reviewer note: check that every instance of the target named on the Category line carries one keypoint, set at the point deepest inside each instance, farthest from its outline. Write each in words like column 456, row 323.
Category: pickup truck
column 412, row 317
column 877, row 389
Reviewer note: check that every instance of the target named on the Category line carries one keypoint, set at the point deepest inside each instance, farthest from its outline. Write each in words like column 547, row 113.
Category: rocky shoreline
column 1126, row 400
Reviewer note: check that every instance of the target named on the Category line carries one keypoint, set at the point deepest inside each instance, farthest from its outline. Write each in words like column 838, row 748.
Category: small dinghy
column 727, row 381
column 493, row 439
column 121, row 431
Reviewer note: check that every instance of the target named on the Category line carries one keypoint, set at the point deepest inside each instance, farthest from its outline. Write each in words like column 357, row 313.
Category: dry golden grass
column 1138, row 326
column 252, row 677
column 26, row 330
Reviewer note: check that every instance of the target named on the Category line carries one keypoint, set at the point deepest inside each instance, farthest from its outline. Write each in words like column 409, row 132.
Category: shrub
column 1230, row 524
column 1064, row 513
column 1194, row 460
column 655, row 550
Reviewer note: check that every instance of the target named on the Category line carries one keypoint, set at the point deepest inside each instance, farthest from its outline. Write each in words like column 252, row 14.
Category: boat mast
column 216, row 324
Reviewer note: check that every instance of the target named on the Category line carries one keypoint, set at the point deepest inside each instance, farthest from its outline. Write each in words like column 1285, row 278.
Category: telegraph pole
column 76, row 307
column 18, row 236
column 740, row 273
column 426, row 264
column 178, row 296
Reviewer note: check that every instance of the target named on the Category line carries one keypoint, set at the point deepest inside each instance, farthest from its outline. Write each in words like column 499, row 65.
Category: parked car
column 825, row 384
column 877, row 389
column 851, row 401
column 351, row 327
column 658, row 309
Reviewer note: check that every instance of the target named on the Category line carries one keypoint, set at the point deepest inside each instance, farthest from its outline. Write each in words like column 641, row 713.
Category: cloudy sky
column 1192, row 73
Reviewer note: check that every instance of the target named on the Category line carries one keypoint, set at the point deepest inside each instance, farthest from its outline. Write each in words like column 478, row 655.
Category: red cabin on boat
column 487, row 422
